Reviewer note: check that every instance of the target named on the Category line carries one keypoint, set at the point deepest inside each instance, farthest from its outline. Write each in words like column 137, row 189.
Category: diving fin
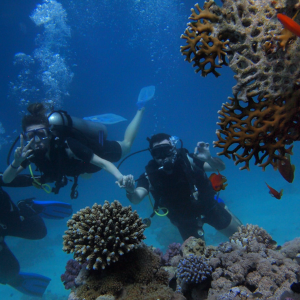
column 31, row 284
column 146, row 94
column 52, row 209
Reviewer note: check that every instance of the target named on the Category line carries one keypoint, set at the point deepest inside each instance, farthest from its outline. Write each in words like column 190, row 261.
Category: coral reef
column 264, row 56
column 260, row 51
column 137, row 275
column 173, row 250
column 193, row 269
column 102, row 234
column 249, row 233
column 247, row 267
column 193, row 246
column 72, row 271
column 261, row 129
column 264, row 273
column 291, row 249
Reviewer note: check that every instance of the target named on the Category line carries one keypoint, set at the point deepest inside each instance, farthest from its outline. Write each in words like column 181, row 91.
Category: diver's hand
column 202, row 152
column 23, row 152
column 127, row 183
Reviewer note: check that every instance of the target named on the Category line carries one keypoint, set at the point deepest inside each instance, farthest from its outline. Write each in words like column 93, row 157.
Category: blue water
column 108, row 51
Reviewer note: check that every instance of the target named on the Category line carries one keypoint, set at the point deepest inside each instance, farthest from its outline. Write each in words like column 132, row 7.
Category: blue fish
column 107, row 119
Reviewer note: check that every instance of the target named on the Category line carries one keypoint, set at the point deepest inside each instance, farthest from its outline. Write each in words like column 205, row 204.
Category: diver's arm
column 11, row 172
column 214, row 164
column 210, row 163
column 137, row 195
column 107, row 166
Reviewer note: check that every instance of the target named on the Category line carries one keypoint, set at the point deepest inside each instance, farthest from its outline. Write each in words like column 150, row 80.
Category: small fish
column 286, row 169
column 274, row 193
column 217, row 181
column 106, row 119
column 289, row 24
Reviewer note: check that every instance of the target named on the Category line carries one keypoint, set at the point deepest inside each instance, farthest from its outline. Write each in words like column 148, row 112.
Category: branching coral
column 101, row 234
column 264, row 56
column 262, row 129
column 260, row 51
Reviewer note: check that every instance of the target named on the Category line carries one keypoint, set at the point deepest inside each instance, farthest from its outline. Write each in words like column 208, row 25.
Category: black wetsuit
column 19, row 221
column 60, row 165
column 175, row 192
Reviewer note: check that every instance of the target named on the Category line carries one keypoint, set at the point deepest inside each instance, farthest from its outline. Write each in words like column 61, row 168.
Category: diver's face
column 40, row 136
column 162, row 151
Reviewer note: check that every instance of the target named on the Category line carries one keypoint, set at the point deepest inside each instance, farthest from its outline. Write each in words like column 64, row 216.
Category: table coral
column 101, row 234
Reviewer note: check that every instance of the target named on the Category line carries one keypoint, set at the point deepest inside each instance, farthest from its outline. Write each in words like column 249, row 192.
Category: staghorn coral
column 260, row 51
column 101, row 234
column 250, row 233
column 261, row 129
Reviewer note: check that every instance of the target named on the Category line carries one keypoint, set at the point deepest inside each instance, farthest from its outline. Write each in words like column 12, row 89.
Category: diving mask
column 36, row 134
column 162, row 151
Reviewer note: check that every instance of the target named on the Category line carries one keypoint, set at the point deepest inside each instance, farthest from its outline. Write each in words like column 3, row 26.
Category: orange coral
column 261, row 128
column 203, row 48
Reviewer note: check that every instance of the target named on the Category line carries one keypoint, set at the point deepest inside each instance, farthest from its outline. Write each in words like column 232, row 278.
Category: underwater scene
column 191, row 109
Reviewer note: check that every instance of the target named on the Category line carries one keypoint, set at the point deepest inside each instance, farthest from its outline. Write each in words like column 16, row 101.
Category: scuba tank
column 88, row 128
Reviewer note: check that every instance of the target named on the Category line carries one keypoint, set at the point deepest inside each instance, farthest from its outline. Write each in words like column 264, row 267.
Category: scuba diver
column 181, row 188
column 24, row 220
column 61, row 145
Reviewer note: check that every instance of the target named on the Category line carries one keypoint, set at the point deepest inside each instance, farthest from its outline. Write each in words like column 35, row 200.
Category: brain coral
column 260, row 51
column 101, row 234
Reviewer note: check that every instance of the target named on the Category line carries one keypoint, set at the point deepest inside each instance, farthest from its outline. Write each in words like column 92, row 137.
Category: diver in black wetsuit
column 178, row 183
column 63, row 151
column 24, row 222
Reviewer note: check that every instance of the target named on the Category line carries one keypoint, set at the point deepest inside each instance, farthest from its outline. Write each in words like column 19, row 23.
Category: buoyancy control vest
column 87, row 134
column 183, row 184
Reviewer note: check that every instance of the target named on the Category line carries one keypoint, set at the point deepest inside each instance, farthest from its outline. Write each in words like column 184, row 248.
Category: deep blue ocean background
column 116, row 48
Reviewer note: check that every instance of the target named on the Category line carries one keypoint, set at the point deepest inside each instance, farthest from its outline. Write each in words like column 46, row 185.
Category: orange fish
column 286, row 169
column 217, row 181
column 289, row 24
column 274, row 193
